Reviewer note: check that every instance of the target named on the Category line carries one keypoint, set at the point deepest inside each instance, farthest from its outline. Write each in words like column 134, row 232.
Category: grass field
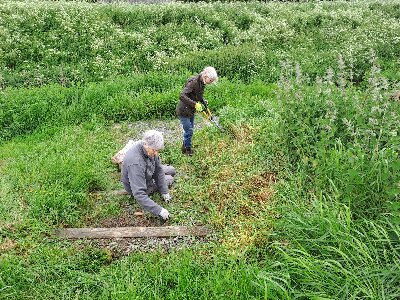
column 301, row 192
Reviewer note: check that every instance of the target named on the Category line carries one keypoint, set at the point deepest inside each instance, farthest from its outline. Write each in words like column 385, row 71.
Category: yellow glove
column 198, row 107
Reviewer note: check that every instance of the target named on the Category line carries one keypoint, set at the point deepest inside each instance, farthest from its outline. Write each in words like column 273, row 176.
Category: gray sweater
column 139, row 170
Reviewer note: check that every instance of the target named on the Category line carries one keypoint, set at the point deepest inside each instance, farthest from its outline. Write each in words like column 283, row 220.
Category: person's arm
column 185, row 92
column 137, row 181
column 159, row 177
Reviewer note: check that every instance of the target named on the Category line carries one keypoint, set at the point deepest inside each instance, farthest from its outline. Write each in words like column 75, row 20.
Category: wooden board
column 129, row 232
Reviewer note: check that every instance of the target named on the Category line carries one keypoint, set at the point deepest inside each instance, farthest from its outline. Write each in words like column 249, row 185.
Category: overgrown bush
column 344, row 142
column 78, row 42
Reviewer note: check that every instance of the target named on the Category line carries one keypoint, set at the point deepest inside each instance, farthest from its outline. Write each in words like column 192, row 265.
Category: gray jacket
column 138, row 171
column 193, row 92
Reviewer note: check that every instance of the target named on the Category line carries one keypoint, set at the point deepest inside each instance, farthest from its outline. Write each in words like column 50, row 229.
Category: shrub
column 342, row 140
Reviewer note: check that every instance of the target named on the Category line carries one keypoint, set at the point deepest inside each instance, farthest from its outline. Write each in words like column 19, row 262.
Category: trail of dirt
column 171, row 129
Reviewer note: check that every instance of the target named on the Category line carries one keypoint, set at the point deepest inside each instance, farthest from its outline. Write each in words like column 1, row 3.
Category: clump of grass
column 321, row 252
column 53, row 173
column 136, row 98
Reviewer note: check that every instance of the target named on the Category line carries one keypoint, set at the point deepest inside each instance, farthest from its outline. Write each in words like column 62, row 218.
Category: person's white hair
column 153, row 139
column 211, row 73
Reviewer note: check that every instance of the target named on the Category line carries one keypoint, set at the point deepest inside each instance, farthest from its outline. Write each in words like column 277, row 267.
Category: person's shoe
column 189, row 151
column 183, row 148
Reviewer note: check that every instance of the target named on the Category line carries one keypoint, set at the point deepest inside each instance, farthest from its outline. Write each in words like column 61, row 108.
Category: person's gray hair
column 211, row 73
column 153, row 139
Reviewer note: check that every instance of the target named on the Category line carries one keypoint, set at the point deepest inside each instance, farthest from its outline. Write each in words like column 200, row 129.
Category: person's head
column 209, row 75
column 153, row 142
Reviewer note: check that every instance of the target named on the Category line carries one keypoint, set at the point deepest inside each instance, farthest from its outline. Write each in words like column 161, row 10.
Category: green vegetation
column 76, row 42
column 302, row 192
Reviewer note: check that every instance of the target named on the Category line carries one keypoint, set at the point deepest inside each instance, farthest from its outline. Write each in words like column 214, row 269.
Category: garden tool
column 208, row 115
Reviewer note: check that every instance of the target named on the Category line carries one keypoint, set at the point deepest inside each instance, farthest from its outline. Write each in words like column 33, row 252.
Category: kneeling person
column 143, row 174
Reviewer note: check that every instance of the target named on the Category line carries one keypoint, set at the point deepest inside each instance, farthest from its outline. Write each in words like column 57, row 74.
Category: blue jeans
column 187, row 124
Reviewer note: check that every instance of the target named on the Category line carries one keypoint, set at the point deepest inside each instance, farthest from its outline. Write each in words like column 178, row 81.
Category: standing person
column 190, row 101
column 142, row 173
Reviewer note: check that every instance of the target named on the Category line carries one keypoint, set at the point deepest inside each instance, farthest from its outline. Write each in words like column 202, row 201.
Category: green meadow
column 300, row 193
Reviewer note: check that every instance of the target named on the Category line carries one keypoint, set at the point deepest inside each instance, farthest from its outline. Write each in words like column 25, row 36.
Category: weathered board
column 129, row 232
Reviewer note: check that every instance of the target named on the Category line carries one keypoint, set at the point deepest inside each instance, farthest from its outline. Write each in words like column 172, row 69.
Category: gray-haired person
column 143, row 174
column 190, row 101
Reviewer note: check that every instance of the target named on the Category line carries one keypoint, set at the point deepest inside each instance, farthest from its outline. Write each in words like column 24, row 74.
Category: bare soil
column 131, row 216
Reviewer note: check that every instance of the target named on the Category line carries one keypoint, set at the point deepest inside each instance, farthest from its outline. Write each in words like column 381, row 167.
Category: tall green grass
column 68, row 272
column 321, row 252
column 338, row 232
column 134, row 98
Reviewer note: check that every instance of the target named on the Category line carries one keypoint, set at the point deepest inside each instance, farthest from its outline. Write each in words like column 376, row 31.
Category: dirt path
column 131, row 214
column 172, row 129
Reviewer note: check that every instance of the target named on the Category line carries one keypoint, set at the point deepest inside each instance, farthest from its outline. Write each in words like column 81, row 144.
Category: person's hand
column 198, row 107
column 166, row 197
column 164, row 214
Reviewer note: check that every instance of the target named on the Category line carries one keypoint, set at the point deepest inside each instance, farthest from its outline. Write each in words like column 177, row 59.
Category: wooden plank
column 125, row 232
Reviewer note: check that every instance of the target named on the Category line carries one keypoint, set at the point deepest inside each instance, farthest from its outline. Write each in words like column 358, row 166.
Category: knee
column 169, row 170
column 169, row 179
